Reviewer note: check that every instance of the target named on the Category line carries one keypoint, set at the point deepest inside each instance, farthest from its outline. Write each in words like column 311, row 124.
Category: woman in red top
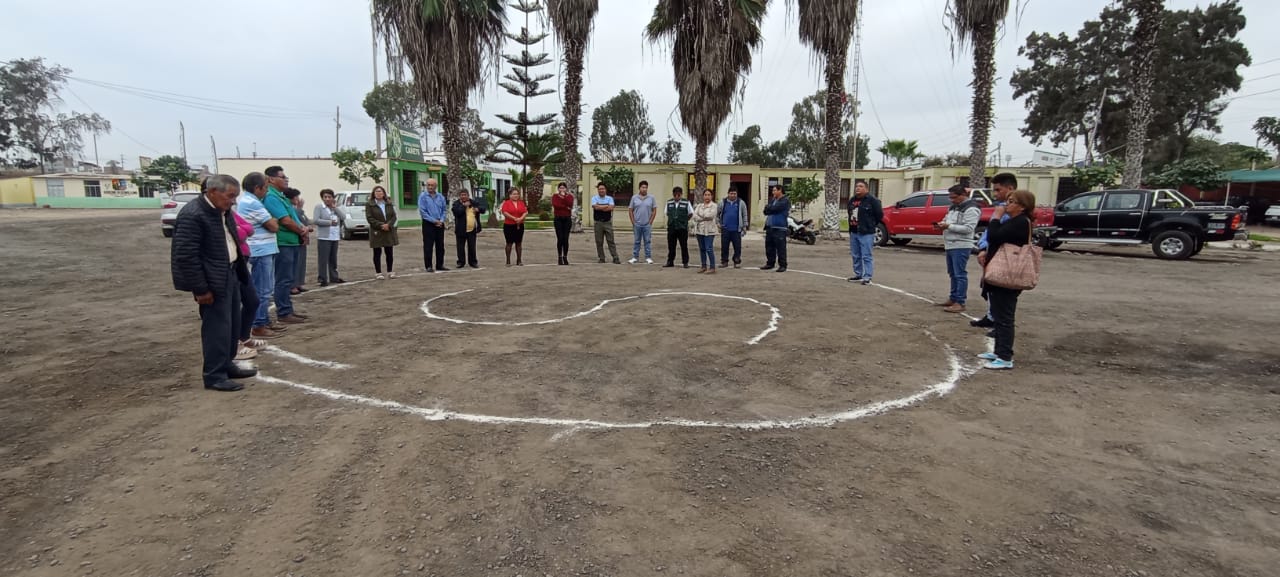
column 562, row 210
column 514, row 212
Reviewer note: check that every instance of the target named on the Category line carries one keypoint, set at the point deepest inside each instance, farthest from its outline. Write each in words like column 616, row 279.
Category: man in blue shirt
column 432, row 207
column 1002, row 185
column 262, row 249
column 733, row 221
column 775, row 229
column 602, row 220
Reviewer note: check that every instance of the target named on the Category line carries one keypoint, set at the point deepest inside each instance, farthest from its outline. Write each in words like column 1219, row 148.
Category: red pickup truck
column 913, row 216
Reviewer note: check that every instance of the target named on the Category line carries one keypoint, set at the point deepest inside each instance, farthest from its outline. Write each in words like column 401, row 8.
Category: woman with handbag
column 1013, row 268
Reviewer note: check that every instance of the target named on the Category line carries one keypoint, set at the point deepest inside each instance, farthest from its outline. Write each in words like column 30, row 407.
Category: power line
column 196, row 103
column 115, row 128
column 871, row 100
column 1233, row 98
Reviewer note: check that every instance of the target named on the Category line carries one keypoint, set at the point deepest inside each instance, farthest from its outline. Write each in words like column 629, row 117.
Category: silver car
column 352, row 203
column 169, row 211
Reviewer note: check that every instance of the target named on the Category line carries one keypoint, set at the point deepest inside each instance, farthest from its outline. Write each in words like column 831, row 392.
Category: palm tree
column 975, row 23
column 537, row 151
column 827, row 26
column 711, row 44
column 1148, row 13
column 900, row 150
column 572, row 21
column 449, row 46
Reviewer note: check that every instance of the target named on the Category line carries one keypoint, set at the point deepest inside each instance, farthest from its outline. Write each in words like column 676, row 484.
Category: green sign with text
column 403, row 145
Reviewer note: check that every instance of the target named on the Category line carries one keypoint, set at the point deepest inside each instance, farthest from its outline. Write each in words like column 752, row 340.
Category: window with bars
column 56, row 188
column 93, row 188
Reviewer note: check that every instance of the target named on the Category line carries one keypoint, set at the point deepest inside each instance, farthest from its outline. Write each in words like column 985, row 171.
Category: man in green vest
column 678, row 212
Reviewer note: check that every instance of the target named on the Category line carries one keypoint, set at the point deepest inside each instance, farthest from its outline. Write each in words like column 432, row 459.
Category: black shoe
column 474, row 265
column 724, row 264
column 767, row 267
column 429, row 270
column 983, row 323
column 338, row 281
column 991, row 334
column 669, row 265
column 855, row 279
column 441, row 269
column 302, row 290
column 866, row 281
column 227, row 386
column 784, row 269
column 601, row 261
column 616, row 261
column 686, row 265
column 239, row 373
column 460, row 265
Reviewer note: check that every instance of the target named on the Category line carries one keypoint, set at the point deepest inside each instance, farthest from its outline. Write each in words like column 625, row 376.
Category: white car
column 352, row 204
column 1272, row 215
column 169, row 211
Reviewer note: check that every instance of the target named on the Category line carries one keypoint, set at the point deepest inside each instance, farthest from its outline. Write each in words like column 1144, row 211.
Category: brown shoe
column 946, row 304
column 277, row 327
column 954, row 308
column 264, row 333
column 702, row 270
column 291, row 320
column 711, row 271
column 300, row 315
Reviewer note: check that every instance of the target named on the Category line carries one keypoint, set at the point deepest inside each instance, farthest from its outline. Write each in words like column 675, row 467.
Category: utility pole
column 214, row 146
column 96, row 162
column 373, row 28
column 255, row 150
column 857, row 105
column 182, row 140
column 237, row 151
column 337, row 127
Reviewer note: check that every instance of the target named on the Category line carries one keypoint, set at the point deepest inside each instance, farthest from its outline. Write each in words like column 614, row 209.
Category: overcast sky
column 295, row 61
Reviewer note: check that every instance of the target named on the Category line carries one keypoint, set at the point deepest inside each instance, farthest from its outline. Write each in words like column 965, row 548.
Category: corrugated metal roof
column 1271, row 175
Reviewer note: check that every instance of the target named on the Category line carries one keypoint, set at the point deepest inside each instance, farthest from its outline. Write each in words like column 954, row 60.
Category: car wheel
column 882, row 235
column 1173, row 245
column 345, row 232
column 167, row 232
column 900, row 241
column 1054, row 245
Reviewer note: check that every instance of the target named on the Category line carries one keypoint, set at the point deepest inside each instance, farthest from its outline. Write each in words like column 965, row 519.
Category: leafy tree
column 804, row 191
column 976, row 23
column 953, row 159
column 749, row 147
column 1096, row 176
column 1078, row 86
column 1230, row 156
column 668, row 152
column 537, row 151
column 572, row 21
column 395, row 103
column 355, row 166
column 32, row 129
column 1268, row 129
column 1201, row 173
column 620, row 129
column 616, row 179
column 169, row 171
column 525, row 84
column 476, row 142
column 900, row 150
column 805, row 142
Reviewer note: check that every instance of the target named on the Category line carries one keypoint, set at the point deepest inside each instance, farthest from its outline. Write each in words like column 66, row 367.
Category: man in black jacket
column 466, row 227
column 206, row 261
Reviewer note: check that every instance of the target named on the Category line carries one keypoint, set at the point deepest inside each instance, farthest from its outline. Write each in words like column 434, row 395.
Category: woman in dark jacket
column 1004, row 301
column 380, row 213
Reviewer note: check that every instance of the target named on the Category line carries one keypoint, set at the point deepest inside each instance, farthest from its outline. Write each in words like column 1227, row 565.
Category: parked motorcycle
column 802, row 230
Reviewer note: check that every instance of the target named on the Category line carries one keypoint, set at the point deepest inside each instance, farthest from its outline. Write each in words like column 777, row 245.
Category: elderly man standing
column 957, row 229
column 206, row 261
column 433, row 208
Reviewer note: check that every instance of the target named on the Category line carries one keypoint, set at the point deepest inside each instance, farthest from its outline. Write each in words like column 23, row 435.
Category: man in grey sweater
column 957, row 229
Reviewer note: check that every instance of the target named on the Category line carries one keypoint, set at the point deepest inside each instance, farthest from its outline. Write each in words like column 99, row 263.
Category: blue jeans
column 643, row 232
column 707, row 250
column 860, row 249
column 958, row 270
column 286, row 267
column 263, row 271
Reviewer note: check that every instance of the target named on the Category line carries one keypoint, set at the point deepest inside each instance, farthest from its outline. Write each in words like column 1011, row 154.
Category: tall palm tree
column 449, row 46
column 975, row 23
column 1148, row 13
column 711, row 44
column 537, row 151
column 572, row 21
column 827, row 26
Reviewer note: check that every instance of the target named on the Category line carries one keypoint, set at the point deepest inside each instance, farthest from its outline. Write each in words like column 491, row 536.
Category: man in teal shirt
column 290, row 239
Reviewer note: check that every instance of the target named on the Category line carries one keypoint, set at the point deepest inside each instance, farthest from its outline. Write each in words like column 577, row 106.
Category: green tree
column 620, row 129
column 804, row 191
column 448, row 45
column 749, row 147
column 1268, row 129
column 1230, row 156
column 900, row 151
column 1204, row 174
column 666, row 152
column 976, row 24
column 806, row 136
column 953, row 159
column 537, row 151
column 355, row 166
column 525, row 83
column 1096, row 176
column 32, row 128
column 395, row 103
column 616, row 179
column 169, row 171
column 1078, row 86
column 572, row 21
column 711, row 44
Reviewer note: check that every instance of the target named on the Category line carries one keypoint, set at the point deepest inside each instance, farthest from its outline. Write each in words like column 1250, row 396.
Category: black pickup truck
column 1174, row 226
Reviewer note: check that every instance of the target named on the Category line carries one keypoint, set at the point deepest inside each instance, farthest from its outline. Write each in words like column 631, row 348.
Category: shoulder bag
column 1014, row 267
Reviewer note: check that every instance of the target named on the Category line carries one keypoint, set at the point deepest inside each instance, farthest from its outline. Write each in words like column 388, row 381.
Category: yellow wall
column 16, row 192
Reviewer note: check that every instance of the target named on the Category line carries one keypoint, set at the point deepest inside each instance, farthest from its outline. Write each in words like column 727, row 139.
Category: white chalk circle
column 775, row 314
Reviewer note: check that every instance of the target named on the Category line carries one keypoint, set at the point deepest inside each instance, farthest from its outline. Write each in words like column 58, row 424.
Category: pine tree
column 523, row 83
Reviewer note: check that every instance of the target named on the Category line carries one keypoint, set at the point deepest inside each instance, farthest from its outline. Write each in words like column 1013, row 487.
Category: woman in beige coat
column 706, row 227
column 380, row 213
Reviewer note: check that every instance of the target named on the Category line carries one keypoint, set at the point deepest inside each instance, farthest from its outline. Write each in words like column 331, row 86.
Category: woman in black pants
column 1004, row 301
column 380, row 213
column 562, row 210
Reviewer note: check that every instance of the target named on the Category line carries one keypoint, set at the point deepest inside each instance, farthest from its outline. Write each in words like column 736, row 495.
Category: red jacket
column 561, row 204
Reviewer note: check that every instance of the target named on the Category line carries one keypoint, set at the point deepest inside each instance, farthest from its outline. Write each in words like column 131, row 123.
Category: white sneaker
column 391, row 275
column 632, row 261
column 380, row 277
column 648, row 261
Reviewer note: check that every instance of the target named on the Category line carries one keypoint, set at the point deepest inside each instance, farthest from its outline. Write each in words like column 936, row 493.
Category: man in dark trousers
column 678, row 212
column 206, row 261
column 432, row 207
column 775, row 229
column 466, row 226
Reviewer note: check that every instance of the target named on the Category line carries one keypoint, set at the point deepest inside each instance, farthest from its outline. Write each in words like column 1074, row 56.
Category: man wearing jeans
column 733, row 221
column 289, row 239
column 865, row 216
column 643, row 210
column 433, row 208
column 957, row 238
column 262, row 249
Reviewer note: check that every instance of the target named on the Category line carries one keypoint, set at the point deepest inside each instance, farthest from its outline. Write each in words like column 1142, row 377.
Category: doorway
column 742, row 184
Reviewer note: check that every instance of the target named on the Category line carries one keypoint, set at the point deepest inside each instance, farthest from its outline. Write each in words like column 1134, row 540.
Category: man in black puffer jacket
column 206, row 261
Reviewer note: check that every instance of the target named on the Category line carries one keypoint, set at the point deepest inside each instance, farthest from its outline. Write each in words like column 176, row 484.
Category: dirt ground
column 1137, row 437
